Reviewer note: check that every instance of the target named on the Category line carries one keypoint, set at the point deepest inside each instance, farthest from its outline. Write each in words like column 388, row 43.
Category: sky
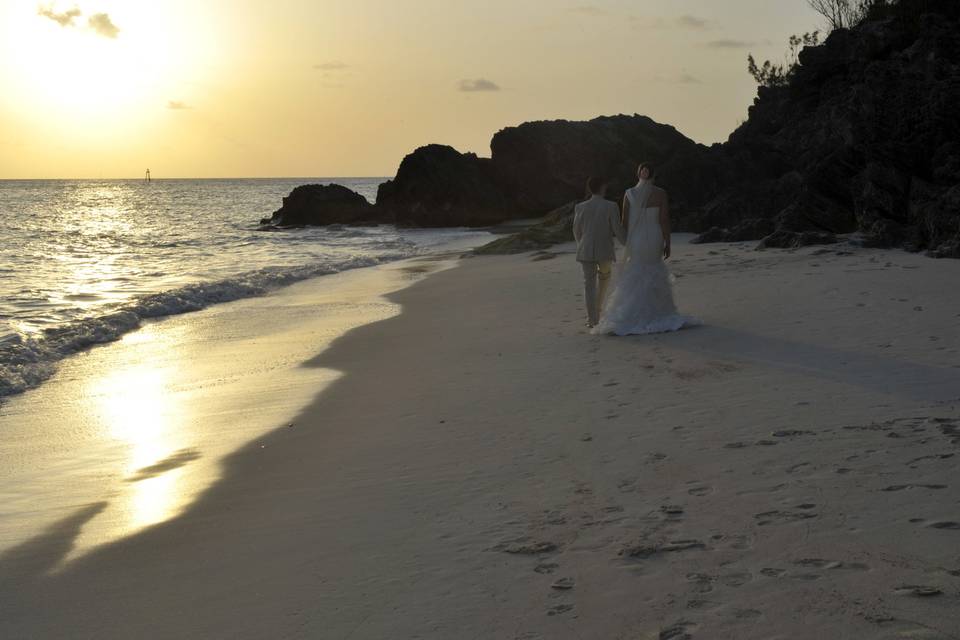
column 311, row 88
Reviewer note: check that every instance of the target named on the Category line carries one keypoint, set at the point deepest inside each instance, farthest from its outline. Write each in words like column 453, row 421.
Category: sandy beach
column 482, row 467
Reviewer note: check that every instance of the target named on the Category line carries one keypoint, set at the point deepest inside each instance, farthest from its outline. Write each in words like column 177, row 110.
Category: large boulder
column 437, row 186
column 542, row 165
column 319, row 204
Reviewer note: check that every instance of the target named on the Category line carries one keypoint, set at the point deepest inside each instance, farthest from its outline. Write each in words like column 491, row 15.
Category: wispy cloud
column 176, row 105
column 680, row 78
column 331, row 66
column 590, row 10
column 64, row 19
column 679, row 22
column 99, row 23
column 479, row 84
column 103, row 25
column 693, row 22
column 730, row 44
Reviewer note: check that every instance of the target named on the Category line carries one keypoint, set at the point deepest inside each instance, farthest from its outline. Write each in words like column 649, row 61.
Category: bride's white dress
column 641, row 298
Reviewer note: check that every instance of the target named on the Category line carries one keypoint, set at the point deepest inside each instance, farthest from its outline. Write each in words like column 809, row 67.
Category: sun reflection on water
column 139, row 410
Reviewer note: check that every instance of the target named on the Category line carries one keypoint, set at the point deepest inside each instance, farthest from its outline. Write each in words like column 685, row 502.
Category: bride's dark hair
column 649, row 166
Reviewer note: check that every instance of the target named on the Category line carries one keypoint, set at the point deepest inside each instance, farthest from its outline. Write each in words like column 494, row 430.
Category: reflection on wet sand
column 141, row 426
column 137, row 408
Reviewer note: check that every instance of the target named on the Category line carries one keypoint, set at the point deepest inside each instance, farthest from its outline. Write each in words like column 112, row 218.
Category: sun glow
column 93, row 64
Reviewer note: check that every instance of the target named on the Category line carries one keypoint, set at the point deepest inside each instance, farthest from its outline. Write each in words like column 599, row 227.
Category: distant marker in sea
column 146, row 178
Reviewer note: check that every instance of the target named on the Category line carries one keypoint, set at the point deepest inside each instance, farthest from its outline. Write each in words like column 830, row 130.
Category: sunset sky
column 248, row 88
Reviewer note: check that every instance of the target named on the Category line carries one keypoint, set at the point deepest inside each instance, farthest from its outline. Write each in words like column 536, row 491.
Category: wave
column 27, row 360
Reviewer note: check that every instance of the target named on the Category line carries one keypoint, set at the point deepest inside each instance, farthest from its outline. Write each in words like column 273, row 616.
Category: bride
column 642, row 297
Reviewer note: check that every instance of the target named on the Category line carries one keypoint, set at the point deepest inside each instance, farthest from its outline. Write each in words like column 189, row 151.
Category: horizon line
column 141, row 179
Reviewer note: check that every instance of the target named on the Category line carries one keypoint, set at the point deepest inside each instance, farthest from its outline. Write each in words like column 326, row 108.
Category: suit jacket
column 595, row 224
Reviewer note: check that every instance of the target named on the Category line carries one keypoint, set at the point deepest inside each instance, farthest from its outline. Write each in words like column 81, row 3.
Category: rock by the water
column 317, row 204
column 437, row 186
column 864, row 139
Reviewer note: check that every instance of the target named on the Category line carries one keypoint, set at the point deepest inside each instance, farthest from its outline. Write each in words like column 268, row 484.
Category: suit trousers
column 596, row 277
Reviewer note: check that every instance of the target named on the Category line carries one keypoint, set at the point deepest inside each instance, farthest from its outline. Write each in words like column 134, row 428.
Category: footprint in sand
column 820, row 563
column 701, row 582
column 901, row 487
column 700, row 491
column 563, row 584
column 746, row 614
column 770, row 517
column 918, row 590
column 736, row 579
column 678, row 631
column 559, row 609
column 527, row 548
column 947, row 524
column 645, row 551
column 791, row 433
column 546, row 567
column 771, row 572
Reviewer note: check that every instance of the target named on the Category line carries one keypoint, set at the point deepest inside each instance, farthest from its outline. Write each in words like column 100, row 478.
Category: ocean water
column 83, row 262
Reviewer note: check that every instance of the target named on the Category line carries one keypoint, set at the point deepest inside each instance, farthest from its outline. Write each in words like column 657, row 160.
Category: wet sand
column 483, row 468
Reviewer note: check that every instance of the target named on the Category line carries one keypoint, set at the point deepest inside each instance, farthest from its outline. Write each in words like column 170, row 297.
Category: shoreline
column 483, row 467
column 142, row 421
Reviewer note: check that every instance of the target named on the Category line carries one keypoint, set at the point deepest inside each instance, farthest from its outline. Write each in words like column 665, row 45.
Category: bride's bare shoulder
column 658, row 196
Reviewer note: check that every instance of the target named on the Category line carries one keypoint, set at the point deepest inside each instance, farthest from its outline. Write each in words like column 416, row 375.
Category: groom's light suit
column 596, row 223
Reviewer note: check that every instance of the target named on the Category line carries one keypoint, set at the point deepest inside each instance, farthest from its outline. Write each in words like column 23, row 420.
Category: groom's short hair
column 595, row 184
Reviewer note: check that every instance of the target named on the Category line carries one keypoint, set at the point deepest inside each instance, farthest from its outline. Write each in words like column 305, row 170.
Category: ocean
column 83, row 262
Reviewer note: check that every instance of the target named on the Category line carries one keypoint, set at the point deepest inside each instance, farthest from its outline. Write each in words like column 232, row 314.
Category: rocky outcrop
column 545, row 164
column 317, row 204
column 437, row 186
column 865, row 138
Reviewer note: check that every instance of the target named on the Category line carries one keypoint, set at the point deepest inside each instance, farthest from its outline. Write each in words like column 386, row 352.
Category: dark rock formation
column 544, row 164
column 865, row 138
column 316, row 204
column 437, row 186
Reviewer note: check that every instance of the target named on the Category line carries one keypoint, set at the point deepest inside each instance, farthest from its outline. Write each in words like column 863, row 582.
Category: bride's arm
column 665, row 224
column 625, row 215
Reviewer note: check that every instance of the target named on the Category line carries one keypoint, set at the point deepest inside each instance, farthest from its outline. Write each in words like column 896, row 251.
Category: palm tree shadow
column 35, row 558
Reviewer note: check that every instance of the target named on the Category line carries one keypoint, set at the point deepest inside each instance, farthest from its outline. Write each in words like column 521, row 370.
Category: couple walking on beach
column 641, row 298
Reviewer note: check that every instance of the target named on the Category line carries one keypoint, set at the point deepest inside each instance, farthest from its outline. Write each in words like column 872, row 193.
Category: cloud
column 331, row 66
column 681, row 78
column 480, row 84
column 103, row 25
column 730, row 44
column 693, row 22
column 64, row 19
column 176, row 105
column 590, row 10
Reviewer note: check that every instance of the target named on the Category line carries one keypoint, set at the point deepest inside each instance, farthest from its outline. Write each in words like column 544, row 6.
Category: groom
column 595, row 223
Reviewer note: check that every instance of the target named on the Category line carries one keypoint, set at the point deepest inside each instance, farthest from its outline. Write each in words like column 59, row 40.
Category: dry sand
column 484, row 468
